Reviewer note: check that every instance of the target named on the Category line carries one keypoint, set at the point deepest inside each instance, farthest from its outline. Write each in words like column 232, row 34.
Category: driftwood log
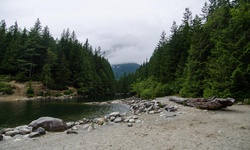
column 203, row 103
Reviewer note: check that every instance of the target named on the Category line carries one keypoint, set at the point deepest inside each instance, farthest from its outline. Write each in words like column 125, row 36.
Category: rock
column 239, row 103
column 11, row 133
column 203, row 103
column 49, row 124
column 74, row 128
column 170, row 115
column 1, row 137
column 131, row 120
column 117, row 120
column 112, row 118
column 70, row 124
column 130, row 124
column 135, row 117
column 85, row 127
column 115, row 114
column 100, row 121
column 41, row 131
column 4, row 130
column 171, row 108
column 24, row 131
column 71, row 132
column 91, row 127
column 151, row 112
column 138, row 121
column 81, row 122
column 34, row 134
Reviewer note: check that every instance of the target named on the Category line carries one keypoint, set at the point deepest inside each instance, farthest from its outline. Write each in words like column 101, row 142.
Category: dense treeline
column 206, row 55
column 35, row 55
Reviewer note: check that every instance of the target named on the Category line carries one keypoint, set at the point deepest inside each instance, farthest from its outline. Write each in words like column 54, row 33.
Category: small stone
column 74, row 128
column 24, row 131
column 117, row 120
column 131, row 120
column 41, row 131
column 16, row 140
column 126, row 120
column 151, row 112
column 34, row 134
column 239, row 103
column 100, row 121
column 85, row 127
column 115, row 114
column 135, row 117
column 112, row 118
column 3, row 131
column 70, row 124
column 81, row 122
column 11, row 133
column 72, row 132
column 130, row 124
column 138, row 121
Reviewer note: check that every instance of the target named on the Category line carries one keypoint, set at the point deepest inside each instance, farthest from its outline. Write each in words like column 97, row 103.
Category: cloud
column 128, row 30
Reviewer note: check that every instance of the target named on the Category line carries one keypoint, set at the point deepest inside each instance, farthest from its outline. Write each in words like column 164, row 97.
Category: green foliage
column 30, row 91
column 5, row 78
column 67, row 92
column 35, row 55
column 202, row 57
column 247, row 101
column 6, row 88
column 149, row 89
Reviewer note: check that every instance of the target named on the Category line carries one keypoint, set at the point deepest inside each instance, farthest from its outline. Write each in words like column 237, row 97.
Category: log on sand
column 203, row 103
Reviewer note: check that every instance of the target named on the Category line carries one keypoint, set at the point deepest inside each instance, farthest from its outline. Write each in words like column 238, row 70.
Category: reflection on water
column 23, row 112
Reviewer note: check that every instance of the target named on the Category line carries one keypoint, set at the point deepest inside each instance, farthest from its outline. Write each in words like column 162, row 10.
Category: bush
column 58, row 94
column 147, row 94
column 67, row 92
column 6, row 88
column 247, row 101
column 30, row 91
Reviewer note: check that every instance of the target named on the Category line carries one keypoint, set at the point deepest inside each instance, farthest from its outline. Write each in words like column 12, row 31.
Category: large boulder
column 49, row 124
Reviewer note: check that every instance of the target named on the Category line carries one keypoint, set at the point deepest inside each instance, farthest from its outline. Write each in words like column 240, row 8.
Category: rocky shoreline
column 159, row 124
column 42, row 125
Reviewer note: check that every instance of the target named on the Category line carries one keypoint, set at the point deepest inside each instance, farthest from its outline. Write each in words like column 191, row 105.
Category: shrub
column 6, row 88
column 30, row 91
column 247, row 101
column 67, row 92
column 147, row 94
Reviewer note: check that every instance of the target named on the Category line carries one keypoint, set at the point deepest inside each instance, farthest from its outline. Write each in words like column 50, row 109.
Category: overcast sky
column 128, row 30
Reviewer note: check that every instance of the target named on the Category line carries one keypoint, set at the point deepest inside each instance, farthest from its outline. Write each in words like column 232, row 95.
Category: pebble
column 130, row 124
column 131, row 120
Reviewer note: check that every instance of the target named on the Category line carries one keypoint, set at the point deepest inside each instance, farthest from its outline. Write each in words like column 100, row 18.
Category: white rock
column 115, row 114
column 151, row 112
column 138, row 121
column 117, row 120
column 135, row 117
column 131, row 120
column 112, row 118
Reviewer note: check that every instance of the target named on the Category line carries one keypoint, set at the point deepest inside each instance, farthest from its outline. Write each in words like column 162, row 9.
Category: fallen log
column 203, row 103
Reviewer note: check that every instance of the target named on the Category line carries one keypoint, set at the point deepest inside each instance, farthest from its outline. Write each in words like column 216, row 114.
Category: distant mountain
column 120, row 69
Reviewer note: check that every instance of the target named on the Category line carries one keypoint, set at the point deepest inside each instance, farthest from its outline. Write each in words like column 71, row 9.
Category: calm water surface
column 23, row 112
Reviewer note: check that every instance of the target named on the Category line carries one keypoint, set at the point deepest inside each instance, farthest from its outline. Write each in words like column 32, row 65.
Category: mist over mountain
column 120, row 69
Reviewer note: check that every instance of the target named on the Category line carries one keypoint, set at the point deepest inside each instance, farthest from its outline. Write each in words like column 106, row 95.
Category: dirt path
column 191, row 129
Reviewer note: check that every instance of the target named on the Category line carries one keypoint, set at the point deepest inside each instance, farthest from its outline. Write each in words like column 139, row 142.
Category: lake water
column 23, row 112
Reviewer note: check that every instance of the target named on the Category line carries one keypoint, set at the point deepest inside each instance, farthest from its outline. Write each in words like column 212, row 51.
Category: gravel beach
column 188, row 128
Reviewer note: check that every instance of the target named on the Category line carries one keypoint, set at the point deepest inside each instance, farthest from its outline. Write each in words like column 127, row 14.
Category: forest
column 206, row 55
column 34, row 55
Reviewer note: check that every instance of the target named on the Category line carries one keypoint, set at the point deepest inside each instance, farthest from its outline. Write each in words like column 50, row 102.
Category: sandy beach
column 190, row 129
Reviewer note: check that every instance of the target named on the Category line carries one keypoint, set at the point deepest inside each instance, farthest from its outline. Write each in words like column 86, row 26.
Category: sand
column 190, row 129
